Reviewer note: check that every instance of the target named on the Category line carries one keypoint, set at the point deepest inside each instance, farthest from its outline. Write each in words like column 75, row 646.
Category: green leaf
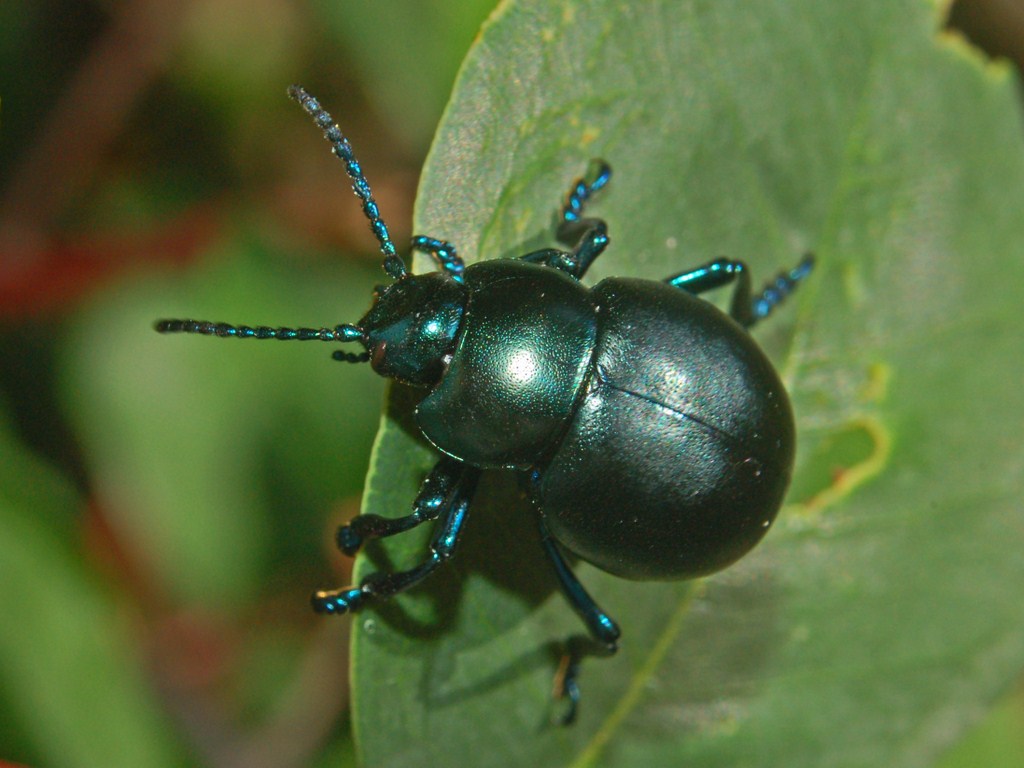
column 999, row 740
column 71, row 685
column 407, row 52
column 883, row 614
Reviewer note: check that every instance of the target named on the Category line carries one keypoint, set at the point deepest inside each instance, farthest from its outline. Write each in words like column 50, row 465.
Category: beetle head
column 410, row 331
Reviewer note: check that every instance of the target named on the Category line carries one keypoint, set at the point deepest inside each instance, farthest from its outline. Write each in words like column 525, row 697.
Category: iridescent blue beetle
column 654, row 435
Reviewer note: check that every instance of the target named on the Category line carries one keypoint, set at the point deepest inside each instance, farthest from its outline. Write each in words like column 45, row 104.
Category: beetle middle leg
column 587, row 237
column 430, row 501
column 604, row 632
column 446, row 495
column 745, row 309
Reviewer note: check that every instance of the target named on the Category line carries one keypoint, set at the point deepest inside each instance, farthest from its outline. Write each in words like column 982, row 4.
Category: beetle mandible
column 654, row 436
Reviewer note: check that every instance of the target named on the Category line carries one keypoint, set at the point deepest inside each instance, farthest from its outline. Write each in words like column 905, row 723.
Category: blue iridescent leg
column 776, row 290
column 589, row 237
column 431, row 500
column 444, row 254
column 744, row 309
column 604, row 632
column 380, row 586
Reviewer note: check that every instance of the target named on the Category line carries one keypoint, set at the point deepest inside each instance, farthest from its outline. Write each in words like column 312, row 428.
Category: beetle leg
column 592, row 240
column 744, row 309
column 554, row 258
column 714, row 274
column 604, row 632
column 443, row 252
column 580, row 192
column 430, row 501
column 574, row 263
column 588, row 237
column 380, row 586
column 775, row 291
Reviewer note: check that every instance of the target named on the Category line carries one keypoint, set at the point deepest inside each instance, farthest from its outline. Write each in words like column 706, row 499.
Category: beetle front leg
column 604, row 632
column 380, row 586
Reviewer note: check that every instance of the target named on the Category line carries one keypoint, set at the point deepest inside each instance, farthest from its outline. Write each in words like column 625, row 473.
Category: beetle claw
column 567, row 689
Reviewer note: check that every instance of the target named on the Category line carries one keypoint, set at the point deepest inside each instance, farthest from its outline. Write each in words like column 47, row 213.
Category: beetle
column 653, row 435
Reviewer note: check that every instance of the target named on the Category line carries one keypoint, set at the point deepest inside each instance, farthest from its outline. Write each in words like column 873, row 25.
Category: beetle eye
column 378, row 290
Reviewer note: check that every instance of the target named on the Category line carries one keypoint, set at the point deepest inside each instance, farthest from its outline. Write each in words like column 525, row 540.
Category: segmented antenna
column 393, row 263
column 341, row 333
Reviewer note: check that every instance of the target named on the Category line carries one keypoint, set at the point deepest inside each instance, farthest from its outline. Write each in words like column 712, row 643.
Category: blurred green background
column 167, row 503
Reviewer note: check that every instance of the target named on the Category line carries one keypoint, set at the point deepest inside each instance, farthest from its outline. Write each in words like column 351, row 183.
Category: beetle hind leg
column 776, row 290
column 745, row 308
column 603, row 631
column 446, row 495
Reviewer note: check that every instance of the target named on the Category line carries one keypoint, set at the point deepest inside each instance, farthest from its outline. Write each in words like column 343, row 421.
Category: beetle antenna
column 342, row 333
column 393, row 263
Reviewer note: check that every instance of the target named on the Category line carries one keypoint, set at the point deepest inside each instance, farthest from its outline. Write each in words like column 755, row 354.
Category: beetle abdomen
column 681, row 449
column 522, row 353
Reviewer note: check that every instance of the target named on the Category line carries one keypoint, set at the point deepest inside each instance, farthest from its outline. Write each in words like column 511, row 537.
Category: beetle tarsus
column 338, row 601
column 776, row 290
column 348, row 540
column 566, row 682
column 582, row 190
column 567, row 689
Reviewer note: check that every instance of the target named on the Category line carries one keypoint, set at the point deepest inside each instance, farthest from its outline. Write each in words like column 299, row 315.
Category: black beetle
column 654, row 436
